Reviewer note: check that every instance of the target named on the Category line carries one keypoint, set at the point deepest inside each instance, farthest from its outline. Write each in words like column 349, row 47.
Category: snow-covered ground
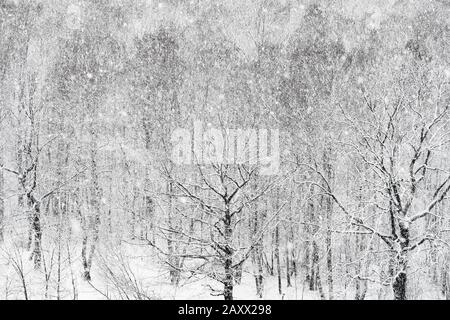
column 122, row 272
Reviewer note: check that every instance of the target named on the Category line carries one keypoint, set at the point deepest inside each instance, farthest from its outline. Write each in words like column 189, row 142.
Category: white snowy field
column 130, row 272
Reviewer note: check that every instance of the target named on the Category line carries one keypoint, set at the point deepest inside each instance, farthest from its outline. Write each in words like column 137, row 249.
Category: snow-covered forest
column 99, row 99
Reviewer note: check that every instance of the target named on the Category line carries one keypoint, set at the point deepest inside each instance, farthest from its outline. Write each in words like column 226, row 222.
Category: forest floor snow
column 130, row 272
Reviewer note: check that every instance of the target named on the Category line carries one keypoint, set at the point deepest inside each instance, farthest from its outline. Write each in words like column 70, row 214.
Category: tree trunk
column 36, row 234
column 259, row 278
column 317, row 279
column 288, row 265
column 93, row 227
column 228, row 258
column 37, row 250
column 445, row 281
column 400, row 278
column 277, row 257
column 173, row 260
column 329, row 247
column 401, row 259
column 329, row 216
column 399, row 285
column 313, row 254
column 257, row 256
column 2, row 203
column 228, row 283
